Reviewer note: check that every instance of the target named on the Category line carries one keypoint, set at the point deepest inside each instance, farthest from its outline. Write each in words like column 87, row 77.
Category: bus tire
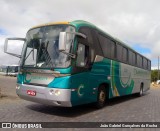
column 101, row 97
column 141, row 91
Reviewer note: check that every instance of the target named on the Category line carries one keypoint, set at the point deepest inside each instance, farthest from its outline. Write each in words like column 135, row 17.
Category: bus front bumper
column 44, row 95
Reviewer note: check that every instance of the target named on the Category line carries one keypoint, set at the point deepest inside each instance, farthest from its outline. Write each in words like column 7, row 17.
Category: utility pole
column 158, row 68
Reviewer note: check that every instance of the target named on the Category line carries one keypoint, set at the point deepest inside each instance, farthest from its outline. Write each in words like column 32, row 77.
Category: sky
column 135, row 22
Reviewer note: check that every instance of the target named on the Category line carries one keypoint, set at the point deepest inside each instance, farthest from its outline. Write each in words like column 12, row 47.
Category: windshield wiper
column 29, row 54
column 45, row 53
column 31, row 51
column 70, row 54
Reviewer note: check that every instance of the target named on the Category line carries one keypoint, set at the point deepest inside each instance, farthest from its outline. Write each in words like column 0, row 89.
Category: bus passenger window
column 82, row 55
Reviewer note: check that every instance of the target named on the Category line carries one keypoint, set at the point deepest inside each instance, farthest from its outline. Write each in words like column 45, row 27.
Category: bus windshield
column 41, row 47
column 3, row 69
column 12, row 69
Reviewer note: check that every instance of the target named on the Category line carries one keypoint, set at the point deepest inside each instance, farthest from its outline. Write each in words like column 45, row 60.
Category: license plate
column 31, row 93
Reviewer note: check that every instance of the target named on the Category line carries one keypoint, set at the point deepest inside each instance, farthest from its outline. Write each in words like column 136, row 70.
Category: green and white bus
column 72, row 63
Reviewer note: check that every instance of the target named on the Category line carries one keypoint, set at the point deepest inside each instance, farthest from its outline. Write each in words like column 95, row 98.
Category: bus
column 13, row 70
column 3, row 70
column 72, row 63
column 9, row 70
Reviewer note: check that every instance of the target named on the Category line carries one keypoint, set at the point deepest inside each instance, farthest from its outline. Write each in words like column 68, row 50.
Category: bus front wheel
column 101, row 97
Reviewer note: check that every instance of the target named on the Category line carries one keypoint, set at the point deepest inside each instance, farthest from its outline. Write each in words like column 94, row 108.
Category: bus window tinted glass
column 119, row 52
column 125, row 55
column 108, row 46
column 139, row 61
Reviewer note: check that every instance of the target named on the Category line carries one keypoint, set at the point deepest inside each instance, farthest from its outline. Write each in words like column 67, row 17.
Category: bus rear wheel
column 101, row 97
column 141, row 90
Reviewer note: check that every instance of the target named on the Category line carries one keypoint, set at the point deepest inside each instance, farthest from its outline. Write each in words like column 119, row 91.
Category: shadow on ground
column 3, row 96
column 79, row 110
column 8, row 97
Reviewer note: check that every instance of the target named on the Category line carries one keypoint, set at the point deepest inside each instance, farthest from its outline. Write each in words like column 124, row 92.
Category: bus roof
column 80, row 23
column 12, row 65
column 76, row 23
column 51, row 23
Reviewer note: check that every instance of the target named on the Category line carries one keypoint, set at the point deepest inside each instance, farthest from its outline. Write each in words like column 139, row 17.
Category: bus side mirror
column 13, row 42
column 62, row 41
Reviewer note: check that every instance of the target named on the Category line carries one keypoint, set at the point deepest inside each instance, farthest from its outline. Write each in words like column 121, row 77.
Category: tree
column 154, row 75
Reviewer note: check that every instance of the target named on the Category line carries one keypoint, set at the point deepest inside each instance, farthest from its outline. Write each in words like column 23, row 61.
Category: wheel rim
column 102, row 96
column 141, row 91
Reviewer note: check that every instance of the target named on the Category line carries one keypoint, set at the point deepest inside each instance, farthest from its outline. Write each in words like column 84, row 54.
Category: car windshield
column 41, row 47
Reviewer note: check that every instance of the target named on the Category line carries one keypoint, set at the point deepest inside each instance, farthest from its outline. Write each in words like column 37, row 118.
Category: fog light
column 17, row 87
column 57, row 92
column 51, row 92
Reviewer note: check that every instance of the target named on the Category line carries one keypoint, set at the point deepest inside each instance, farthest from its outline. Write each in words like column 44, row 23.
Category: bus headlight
column 57, row 92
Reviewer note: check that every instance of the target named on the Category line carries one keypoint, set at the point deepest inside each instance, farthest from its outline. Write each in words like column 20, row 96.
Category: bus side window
column 16, row 69
column 82, row 55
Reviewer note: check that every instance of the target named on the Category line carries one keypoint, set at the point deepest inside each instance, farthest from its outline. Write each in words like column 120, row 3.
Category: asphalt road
column 124, row 109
